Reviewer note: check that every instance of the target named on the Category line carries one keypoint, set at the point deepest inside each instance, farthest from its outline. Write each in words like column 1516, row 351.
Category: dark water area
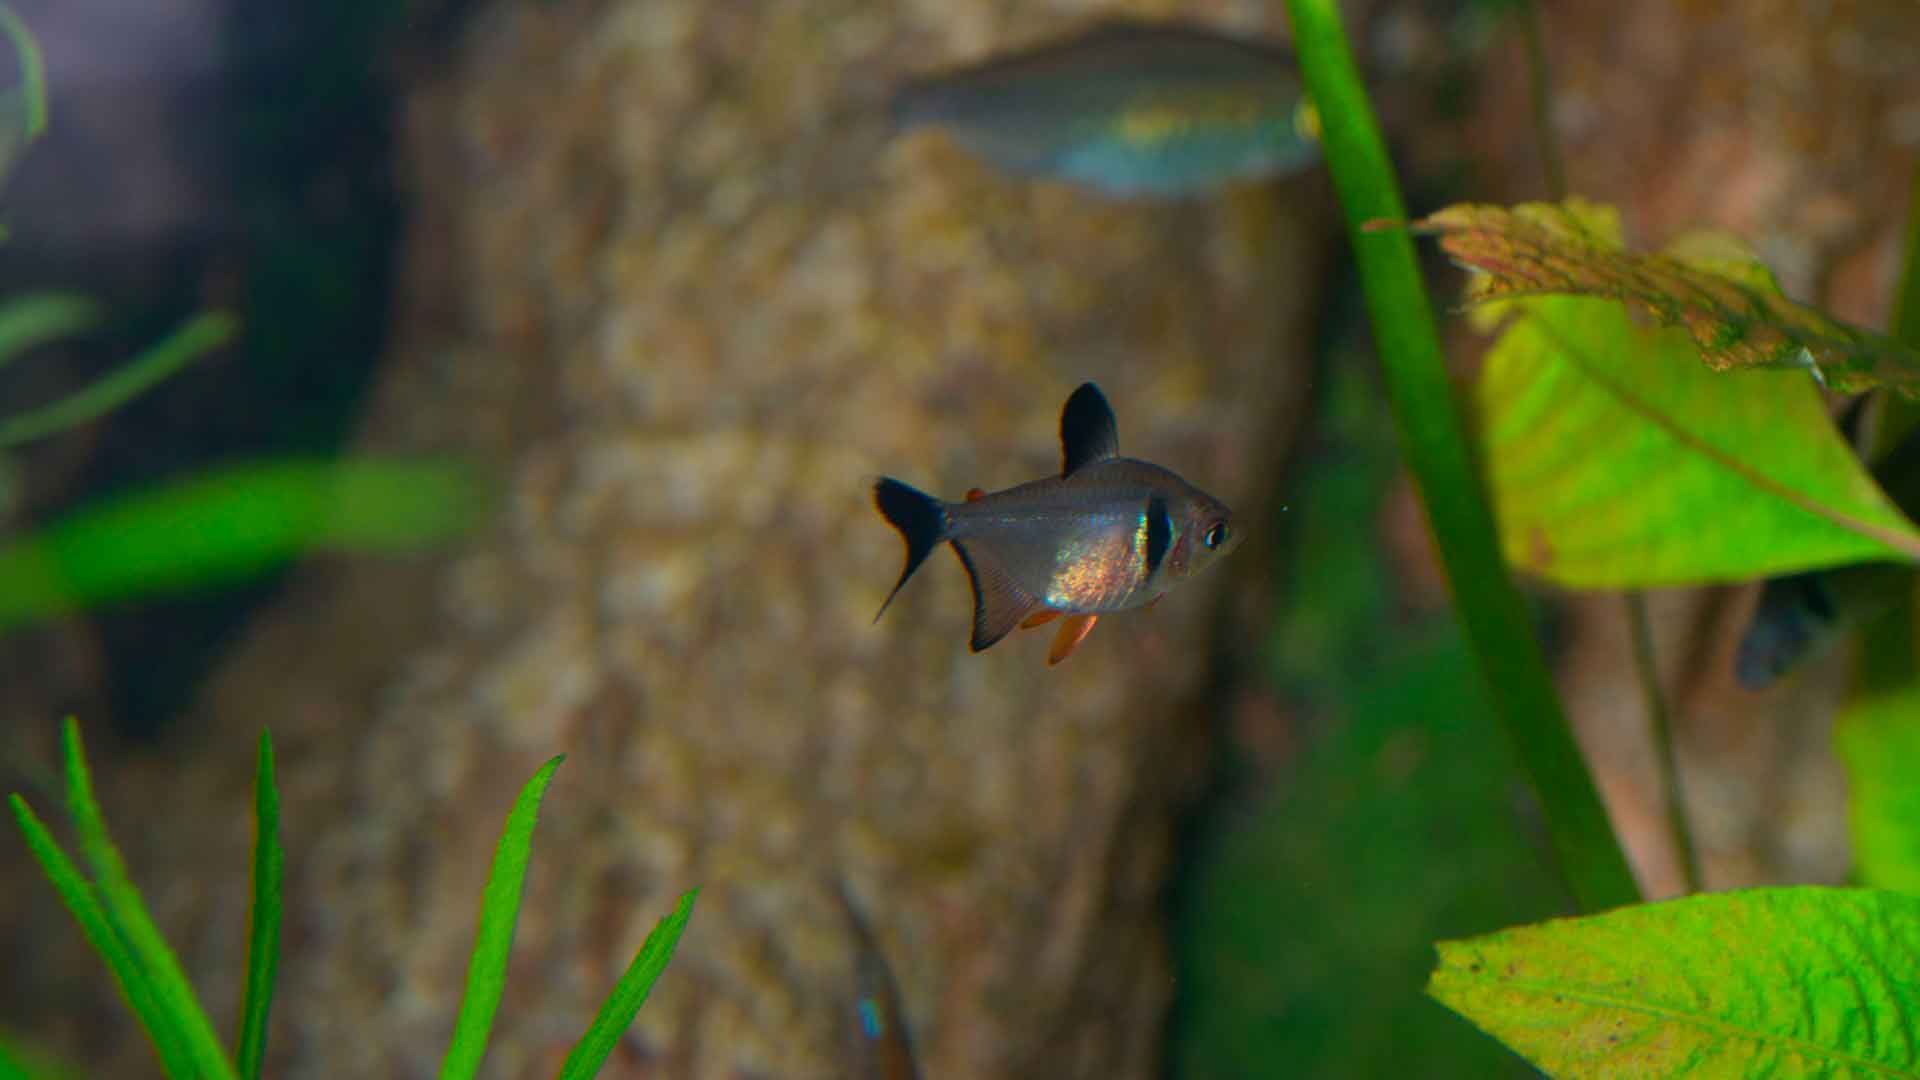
column 204, row 155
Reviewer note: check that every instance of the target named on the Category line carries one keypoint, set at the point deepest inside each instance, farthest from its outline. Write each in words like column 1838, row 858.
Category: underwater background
column 655, row 273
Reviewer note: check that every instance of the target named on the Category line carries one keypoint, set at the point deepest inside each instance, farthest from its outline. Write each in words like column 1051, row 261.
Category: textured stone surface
column 663, row 277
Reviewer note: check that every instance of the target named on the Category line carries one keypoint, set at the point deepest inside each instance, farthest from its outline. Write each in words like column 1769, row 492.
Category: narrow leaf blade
column 78, row 896
column 623, row 1004
column 27, row 322
column 1726, row 305
column 263, row 937
column 19, row 1062
column 1617, row 462
column 172, row 991
column 493, row 940
column 231, row 524
column 187, row 344
column 1785, row 982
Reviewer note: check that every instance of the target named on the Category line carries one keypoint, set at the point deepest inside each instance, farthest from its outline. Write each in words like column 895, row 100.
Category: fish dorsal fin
column 999, row 603
column 1087, row 430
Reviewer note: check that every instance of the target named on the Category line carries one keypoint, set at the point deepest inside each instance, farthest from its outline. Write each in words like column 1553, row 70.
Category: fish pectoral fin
column 1039, row 618
column 999, row 603
column 1072, row 633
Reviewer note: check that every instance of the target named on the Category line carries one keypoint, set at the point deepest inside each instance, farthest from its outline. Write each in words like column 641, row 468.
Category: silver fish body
column 1130, row 108
column 1107, row 534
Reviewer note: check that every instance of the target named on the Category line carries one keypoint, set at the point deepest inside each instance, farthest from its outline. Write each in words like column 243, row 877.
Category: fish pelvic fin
column 999, row 603
column 1072, row 633
column 921, row 519
column 1088, row 432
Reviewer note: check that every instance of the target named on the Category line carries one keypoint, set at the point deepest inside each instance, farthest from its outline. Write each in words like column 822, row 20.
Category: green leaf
column 263, row 937
column 116, row 388
column 228, row 525
column 27, row 322
column 127, row 912
column 1616, row 461
column 31, row 93
column 493, row 941
column 1725, row 301
column 617, row 1013
column 84, row 906
column 1878, row 737
column 1792, row 982
column 1435, row 446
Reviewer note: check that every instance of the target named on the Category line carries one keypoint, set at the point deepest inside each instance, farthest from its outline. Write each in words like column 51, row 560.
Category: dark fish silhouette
column 1801, row 616
column 1109, row 533
column 1157, row 109
column 880, row 1047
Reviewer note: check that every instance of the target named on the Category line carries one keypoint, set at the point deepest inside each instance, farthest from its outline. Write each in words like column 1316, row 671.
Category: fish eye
column 1216, row 535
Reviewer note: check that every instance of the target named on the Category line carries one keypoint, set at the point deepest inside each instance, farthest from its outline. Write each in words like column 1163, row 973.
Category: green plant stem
column 1540, row 89
column 1887, row 643
column 263, row 935
column 1433, row 438
column 195, row 339
column 1640, row 629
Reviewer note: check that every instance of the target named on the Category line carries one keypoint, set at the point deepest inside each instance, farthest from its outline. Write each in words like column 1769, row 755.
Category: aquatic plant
column 1578, row 406
column 115, row 920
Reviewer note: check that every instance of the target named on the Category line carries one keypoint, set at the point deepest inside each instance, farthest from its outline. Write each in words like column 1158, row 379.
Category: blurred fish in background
column 879, row 1047
column 1801, row 616
column 1129, row 108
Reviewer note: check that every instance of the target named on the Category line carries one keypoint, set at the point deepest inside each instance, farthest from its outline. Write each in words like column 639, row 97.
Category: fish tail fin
column 921, row 519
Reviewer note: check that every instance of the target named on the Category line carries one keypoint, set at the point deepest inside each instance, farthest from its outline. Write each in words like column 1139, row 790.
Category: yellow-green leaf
column 1724, row 300
column 1879, row 740
column 1616, row 461
column 1775, row 983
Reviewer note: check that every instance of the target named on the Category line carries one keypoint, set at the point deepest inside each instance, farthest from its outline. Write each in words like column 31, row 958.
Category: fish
column 1109, row 533
column 879, row 1045
column 1129, row 108
column 1801, row 616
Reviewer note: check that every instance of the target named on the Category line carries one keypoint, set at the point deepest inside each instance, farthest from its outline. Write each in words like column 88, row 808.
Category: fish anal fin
column 999, row 603
column 1088, row 432
column 1072, row 632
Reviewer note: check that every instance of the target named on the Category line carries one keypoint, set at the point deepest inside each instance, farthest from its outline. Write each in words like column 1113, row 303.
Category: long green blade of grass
column 493, row 941
column 1431, row 434
column 621, row 1006
column 263, row 936
column 116, row 388
column 27, row 322
column 33, row 73
column 128, row 913
column 228, row 525
column 85, row 907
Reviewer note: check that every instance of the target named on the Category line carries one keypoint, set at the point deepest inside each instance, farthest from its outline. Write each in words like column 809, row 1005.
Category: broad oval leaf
column 1791, row 982
column 1879, row 741
column 1618, row 461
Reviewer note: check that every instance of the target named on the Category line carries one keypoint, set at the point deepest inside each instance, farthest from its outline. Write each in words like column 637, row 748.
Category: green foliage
column 263, row 935
column 115, row 921
column 1616, row 461
column 493, row 940
column 230, row 524
column 18, row 1062
column 1437, row 452
column 1878, row 737
column 623, row 1004
column 1789, row 982
column 28, row 101
column 198, row 337
column 1385, row 839
column 1723, row 298
column 28, row 322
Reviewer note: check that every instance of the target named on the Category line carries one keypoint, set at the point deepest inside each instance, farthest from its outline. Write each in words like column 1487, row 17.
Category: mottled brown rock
column 662, row 278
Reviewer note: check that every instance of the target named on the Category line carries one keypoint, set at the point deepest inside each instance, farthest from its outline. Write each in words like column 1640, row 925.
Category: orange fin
column 975, row 494
column 1039, row 618
column 1072, row 632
